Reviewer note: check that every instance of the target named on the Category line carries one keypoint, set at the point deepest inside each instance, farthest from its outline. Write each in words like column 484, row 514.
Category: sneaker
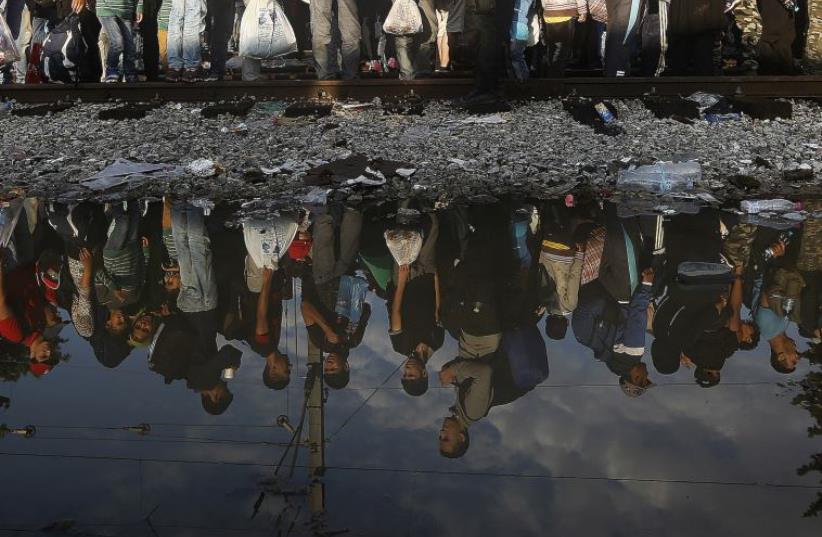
column 375, row 66
column 393, row 64
column 132, row 79
column 211, row 76
column 191, row 75
column 174, row 75
column 111, row 79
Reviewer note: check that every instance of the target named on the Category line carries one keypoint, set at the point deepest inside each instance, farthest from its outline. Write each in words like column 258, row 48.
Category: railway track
column 761, row 86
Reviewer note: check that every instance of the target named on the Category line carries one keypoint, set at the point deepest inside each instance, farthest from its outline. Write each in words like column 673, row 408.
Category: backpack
column 64, row 50
column 527, row 356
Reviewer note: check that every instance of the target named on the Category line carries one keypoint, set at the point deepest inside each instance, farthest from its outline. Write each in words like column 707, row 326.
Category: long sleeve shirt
column 475, row 390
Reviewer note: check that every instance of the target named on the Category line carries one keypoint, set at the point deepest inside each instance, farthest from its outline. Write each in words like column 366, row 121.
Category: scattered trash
column 772, row 205
column 717, row 118
column 351, row 107
column 239, row 108
column 661, row 177
column 405, row 172
column 271, row 107
column 203, row 167
column 704, row 100
column 406, row 105
column 604, row 112
column 316, row 196
column 241, row 129
column 5, row 107
column 123, row 171
column 588, row 113
column 356, row 169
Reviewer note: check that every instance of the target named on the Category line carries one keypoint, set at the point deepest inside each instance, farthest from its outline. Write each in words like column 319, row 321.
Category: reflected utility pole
column 316, row 433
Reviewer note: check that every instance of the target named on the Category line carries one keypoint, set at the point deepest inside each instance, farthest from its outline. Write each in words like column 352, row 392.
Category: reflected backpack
column 64, row 51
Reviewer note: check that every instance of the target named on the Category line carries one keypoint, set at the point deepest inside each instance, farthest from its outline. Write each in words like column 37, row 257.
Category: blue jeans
column 198, row 286
column 351, row 297
column 519, row 38
column 120, row 42
column 186, row 23
column 348, row 36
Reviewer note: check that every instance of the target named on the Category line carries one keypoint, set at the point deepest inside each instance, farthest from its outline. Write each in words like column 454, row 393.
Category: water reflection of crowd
column 169, row 277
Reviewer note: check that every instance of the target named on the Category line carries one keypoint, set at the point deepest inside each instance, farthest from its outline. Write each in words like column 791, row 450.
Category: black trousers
column 621, row 42
column 220, row 22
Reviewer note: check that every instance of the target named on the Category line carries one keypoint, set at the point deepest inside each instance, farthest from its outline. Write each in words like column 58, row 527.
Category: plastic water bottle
column 604, row 113
column 661, row 177
column 774, row 205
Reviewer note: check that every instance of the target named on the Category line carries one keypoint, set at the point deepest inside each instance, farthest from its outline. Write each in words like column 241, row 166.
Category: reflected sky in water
column 571, row 456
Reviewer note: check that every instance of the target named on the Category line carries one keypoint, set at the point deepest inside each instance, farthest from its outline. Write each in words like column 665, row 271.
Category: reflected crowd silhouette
column 507, row 282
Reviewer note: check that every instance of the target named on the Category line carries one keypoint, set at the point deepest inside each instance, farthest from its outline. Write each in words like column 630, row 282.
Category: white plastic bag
column 265, row 32
column 267, row 241
column 403, row 19
column 534, row 30
column 8, row 47
column 404, row 245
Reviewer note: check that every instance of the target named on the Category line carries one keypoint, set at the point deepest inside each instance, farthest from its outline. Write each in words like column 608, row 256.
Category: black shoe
column 174, row 75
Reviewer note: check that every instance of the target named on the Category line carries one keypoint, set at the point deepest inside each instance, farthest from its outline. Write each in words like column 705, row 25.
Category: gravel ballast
column 537, row 150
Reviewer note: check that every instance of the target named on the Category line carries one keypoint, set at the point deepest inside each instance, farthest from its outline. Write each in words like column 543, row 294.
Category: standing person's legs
column 351, row 34
column 14, row 18
column 321, row 36
column 427, row 260
column 623, row 29
column 221, row 14
column 198, row 286
column 443, row 53
column 115, row 48
column 129, row 50
column 812, row 56
column 174, row 43
column 560, row 39
column 322, row 250
column 481, row 21
column 162, row 41
column 193, row 27
column 404, row 45
column 350, row 230
column 749, row 21
column 519, row 39
column 779, row 31
column 23, row 41
column 151, row 42
column 427, row 39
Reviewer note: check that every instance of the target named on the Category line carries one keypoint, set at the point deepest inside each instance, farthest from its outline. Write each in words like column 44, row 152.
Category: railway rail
column 760, row 86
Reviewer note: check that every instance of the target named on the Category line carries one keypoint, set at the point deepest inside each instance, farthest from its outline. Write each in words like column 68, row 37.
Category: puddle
column 564, row 367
